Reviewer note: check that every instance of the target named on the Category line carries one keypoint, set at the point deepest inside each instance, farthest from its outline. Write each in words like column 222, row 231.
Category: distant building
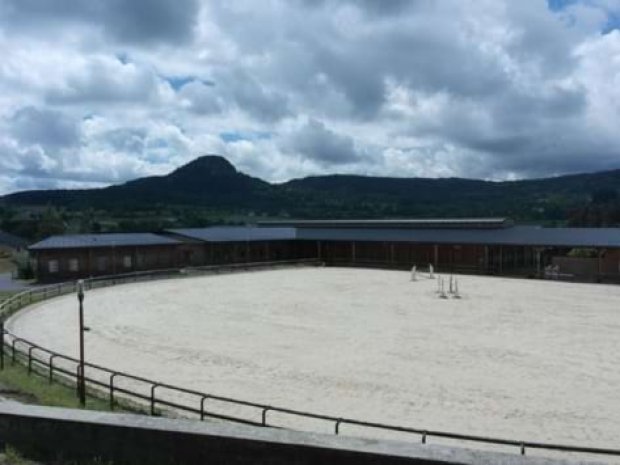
column 10, row 243
column 473, row 245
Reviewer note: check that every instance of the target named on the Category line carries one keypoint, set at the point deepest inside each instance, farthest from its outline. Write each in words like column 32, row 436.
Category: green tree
column 51, row 223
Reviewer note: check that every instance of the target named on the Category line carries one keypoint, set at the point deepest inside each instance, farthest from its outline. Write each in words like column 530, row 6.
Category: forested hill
column 583, row 199
column 212, row 182
column 208, row 180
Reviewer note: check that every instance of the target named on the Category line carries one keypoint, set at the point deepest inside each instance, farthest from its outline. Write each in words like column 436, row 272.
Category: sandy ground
column 521, row 359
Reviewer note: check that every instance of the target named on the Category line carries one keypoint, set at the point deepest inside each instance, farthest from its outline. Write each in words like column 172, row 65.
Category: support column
column 486, row 259
column 515, row 257
column 90, row 262
column 353, row 252
column 392, row 253
column 436, row 256
column 538, row 252
column 319, row 251
column 501, row 260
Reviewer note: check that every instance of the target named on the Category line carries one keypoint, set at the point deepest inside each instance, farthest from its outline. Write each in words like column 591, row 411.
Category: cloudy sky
column 101, row 91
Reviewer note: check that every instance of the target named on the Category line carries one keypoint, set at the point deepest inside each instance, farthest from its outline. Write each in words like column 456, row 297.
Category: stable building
column 468, row 245
column 474, row 245
column 84, row 255
column 236, row 244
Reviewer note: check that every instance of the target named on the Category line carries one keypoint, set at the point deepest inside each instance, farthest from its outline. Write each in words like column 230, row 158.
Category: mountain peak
column 207, row 165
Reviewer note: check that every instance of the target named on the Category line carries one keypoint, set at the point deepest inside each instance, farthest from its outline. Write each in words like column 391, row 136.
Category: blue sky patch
column 236, row 136
column 557, row 5
column 613, row 22
column 613, row 16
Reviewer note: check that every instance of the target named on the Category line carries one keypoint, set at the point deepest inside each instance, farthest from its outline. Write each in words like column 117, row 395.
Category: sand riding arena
column 514, row 358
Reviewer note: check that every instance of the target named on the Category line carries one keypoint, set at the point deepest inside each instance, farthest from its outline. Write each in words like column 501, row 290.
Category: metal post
column 78, row 376
column 264, row 416
column 51, row 373
column 30, row 349
column 82, row 378
column 153, row 398
column 112, row 376
column 202, row 407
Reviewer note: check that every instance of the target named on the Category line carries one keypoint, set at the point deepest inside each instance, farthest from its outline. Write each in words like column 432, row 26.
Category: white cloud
column 106, row 80
column 98, row 92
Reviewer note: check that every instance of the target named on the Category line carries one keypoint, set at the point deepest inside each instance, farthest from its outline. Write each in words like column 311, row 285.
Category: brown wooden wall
column 103, row 261
column 446, row 257
column 107, row 260
column 506, row 260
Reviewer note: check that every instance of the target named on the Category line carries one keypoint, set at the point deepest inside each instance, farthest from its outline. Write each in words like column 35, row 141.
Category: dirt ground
column 522, row 359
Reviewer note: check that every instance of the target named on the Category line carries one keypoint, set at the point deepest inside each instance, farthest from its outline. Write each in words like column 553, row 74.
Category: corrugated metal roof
column 77, row 241
column 420, row 223
column 236, row 233
column 516, row 235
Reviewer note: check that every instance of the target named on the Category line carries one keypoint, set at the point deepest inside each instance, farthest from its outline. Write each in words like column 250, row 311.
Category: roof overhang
column 422, row 223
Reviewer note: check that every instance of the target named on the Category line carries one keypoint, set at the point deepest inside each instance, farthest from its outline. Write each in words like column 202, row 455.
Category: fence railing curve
column 28, row 355
column 264, row 415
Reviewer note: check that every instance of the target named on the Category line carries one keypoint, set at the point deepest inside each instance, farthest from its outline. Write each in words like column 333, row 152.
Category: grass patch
column 33, row 389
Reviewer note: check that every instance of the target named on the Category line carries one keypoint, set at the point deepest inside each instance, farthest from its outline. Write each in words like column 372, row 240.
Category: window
column 74, row 265
column 127, row 262
column 52, row 266
column 102, row 263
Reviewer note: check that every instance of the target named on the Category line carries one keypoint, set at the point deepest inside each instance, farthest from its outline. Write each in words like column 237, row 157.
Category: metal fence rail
column 44, row 362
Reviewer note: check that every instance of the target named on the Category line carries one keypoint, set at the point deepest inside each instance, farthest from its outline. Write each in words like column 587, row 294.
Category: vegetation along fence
column 118, row 386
